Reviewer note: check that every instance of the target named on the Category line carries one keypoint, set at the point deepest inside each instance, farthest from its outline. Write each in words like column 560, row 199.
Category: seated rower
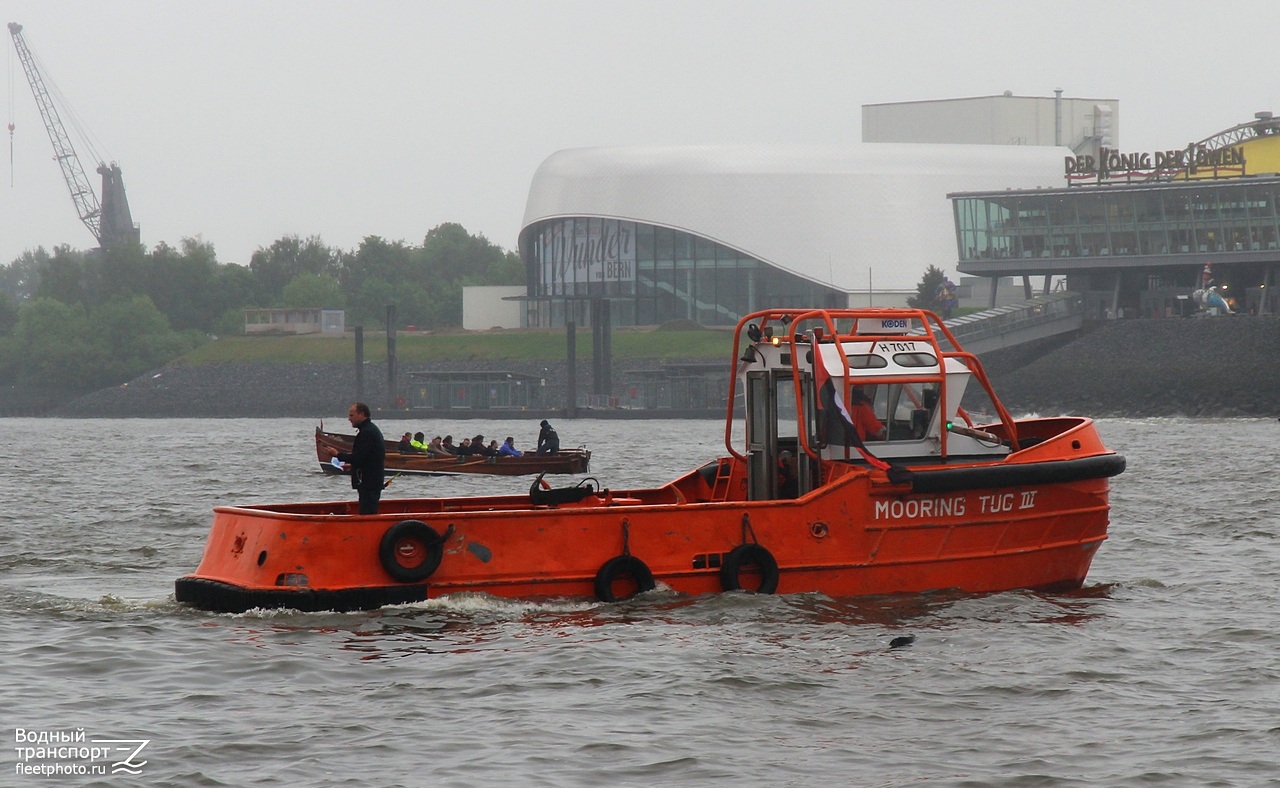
column 478, row 447
column 508, row 449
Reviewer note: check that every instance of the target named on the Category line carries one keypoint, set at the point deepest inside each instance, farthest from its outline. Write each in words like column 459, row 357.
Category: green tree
column 376, row 259
column 66, row 350
column 182, row 285
column 369, row 308
column 449, row 259
column 444, row 305
column 451, row 254
column 51, row 348
column 927, row 289
column 277, row 265
column 10, row 365
column 124, row 271
column 66, row 277
column 307, row 291
column 8, row 312
column 232, row 291
column 132, row 336
column 230, row 323
column 21, row 278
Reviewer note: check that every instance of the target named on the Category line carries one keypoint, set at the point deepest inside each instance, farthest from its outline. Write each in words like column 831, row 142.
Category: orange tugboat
column 856, row 472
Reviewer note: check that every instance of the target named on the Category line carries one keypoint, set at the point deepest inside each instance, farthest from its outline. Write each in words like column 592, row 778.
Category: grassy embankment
column 513, row 345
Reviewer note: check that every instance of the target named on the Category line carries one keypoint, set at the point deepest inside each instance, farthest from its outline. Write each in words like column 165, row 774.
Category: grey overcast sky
column 242, row 122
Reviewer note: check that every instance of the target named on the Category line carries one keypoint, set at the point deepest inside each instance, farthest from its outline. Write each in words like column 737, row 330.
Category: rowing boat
column 421, row 464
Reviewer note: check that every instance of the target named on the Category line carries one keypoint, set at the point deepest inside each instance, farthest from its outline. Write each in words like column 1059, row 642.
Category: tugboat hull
column 857, row 473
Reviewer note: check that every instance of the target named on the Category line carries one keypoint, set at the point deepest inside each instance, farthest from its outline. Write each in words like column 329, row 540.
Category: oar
column 388, row 482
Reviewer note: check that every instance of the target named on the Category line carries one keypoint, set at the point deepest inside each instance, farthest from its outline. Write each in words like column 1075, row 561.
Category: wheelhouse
column 902, row 363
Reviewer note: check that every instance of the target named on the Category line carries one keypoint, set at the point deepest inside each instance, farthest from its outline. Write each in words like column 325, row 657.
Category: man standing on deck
column 366, row 458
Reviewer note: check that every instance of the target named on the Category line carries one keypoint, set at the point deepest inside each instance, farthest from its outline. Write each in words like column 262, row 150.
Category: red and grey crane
column 109, row 221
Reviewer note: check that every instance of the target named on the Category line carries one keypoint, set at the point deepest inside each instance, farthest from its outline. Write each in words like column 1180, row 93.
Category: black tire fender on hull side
column 618, row 567
column 410, row 551
column 1017, row 475
column 745, row 555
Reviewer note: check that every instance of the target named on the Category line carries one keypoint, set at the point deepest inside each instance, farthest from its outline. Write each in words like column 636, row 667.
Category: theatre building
column 1133, row 232
column 711, row 233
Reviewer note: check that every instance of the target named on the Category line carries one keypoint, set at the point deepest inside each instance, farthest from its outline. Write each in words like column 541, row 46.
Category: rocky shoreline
column 300, row 390
column 1201, row 367
column 1193, row 367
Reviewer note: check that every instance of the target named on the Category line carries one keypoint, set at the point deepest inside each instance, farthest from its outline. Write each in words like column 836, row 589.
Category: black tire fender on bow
column 749, row 555
column 411, row 551
column 618, row 568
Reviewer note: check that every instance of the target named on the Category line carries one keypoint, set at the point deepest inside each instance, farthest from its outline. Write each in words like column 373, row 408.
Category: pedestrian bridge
column 1003, row 327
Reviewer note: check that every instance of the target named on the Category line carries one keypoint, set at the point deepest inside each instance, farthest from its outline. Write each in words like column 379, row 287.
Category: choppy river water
column 1164, row 669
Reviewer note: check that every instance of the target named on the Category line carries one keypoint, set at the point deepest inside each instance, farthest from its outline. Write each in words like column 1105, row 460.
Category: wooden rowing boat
column 564, row 461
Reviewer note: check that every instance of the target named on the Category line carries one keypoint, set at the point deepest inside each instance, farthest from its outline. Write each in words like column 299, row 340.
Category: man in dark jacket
column 548, row 440
column 366, row 458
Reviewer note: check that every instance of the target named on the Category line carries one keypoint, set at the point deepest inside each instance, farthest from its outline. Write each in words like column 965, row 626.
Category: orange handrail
column 931, row 325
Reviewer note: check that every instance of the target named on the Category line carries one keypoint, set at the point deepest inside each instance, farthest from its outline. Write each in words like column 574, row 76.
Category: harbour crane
column 109, row 221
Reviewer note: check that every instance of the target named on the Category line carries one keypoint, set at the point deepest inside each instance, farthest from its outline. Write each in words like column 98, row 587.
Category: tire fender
column 410, row 551
column 617, row 568
column 749, row 555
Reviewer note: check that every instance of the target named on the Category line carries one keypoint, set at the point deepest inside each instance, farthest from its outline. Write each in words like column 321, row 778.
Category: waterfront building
column 710, row 233
column 1133, row 232
column 287, row 320
column 1085, row 125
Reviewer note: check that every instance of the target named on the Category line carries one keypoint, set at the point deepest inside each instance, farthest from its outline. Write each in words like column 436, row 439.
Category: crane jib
column 110, row 222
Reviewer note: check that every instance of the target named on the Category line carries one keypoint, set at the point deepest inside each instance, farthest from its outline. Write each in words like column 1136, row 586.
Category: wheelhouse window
column 867, row 361
column 907, row 409
column 915, row 359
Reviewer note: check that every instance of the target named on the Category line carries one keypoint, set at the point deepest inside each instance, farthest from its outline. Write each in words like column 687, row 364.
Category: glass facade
column 1135, row 250
column 1225, row 216
column 651, row 275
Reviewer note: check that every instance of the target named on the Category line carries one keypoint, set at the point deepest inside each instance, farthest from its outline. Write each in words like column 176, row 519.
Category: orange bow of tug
column 856, row 471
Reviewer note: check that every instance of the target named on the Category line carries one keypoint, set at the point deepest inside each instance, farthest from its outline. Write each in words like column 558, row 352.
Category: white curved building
column 710, row 233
